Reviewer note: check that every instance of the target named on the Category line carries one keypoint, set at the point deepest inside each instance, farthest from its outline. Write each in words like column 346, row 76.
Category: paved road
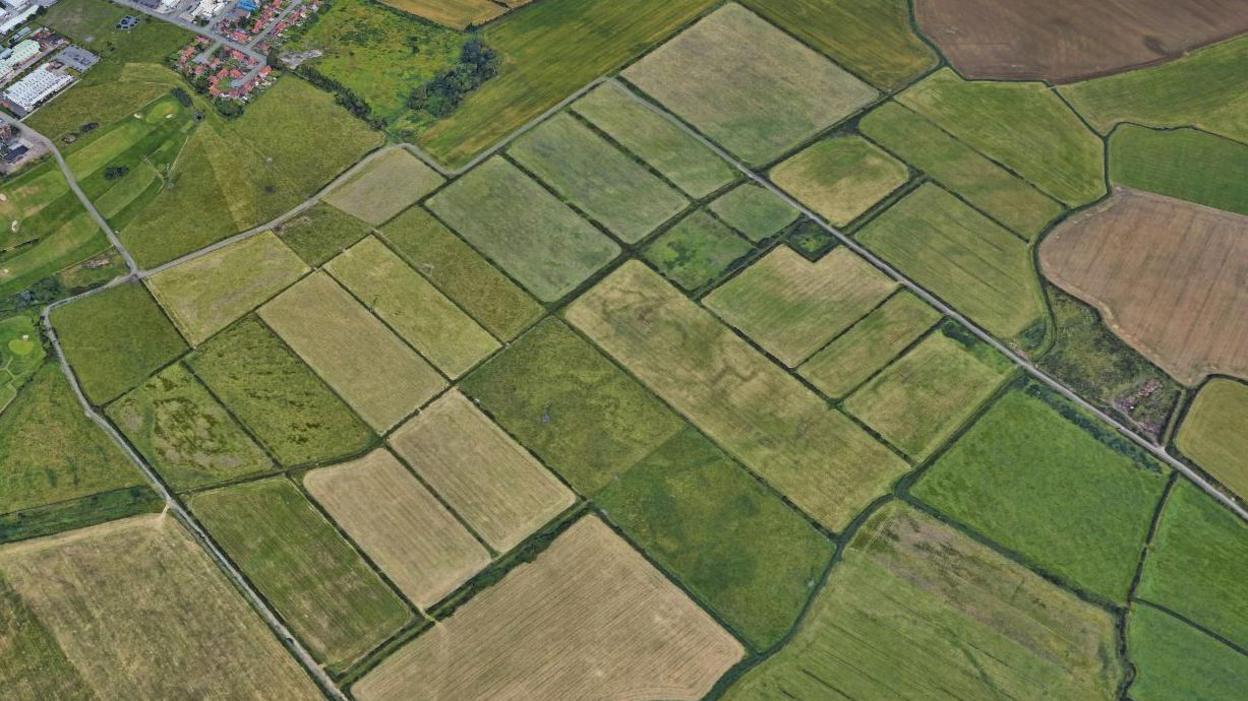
column 273, row 23
column 172, row 18
column 931, row 299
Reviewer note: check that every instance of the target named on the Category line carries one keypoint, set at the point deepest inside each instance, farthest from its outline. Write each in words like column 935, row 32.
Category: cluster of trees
column 440, row 96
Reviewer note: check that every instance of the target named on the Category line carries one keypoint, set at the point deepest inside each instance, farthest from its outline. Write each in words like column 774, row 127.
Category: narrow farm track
column 1031, row 369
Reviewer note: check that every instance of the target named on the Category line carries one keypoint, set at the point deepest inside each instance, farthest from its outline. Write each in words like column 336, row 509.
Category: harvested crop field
column 208, row 293
column 1213, row 433
column 1167, row 275
column 810, row 452
column 398, row 523
column 747, row 85
column 134, row 609
column 456, row 14
column 496, row 486
column 1068, row 40
column 589, row 618
column 840, row 178
column 386, row 186
column 916, row 610
column 793, row 307
column 334, row 334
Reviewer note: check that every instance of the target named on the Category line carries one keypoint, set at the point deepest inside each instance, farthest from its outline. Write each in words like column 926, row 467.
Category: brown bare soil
column 1068, row 40
column 588, row 619
column 1169, row 277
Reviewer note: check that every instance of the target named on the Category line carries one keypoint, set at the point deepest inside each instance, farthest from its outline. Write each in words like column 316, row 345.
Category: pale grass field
column 386, row 186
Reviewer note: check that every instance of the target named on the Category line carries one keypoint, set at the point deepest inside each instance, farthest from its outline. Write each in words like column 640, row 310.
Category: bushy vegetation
column 442, row 95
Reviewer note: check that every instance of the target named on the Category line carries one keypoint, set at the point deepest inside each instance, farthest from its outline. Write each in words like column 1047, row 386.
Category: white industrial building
column 15, row 16
column 12, row 59
column 36, row 87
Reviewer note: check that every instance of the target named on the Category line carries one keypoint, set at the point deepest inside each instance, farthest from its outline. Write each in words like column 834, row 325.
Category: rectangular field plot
column 565, row 401
column 589, row 602
column 412, row 306
column 457, row 14
column 312, row 577
column 692, row 166
column 499, row 304
column 75, row 600
column 792, row 307
column 522, row 227
column 1212, row 433
column 184, row 432
column 587, row 171
column 1173, row 660
column 1185, row 163
column 810, row 452
column 500, row 490
column 925, row 395
column 918, row 611
column 1064, row 492
column 754, row 211
column 387, row 185
column 747, row 85
column 869, row 345
column 284, row 403
column 415, row 541
column 966, row 259
column 320, row 233
column 702, row 517
column 960, row 168
column 697, row 250
column 375, row 372
column 208, row 293
column 840, row 178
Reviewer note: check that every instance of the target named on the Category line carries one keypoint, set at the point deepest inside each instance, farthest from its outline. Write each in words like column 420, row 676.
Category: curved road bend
column 931, row 299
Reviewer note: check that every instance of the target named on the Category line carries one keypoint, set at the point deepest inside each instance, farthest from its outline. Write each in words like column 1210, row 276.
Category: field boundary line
column 944, row 308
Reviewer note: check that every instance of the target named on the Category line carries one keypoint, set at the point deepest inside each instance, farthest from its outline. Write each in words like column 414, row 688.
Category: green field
column 697, row 250
column 387, row 185
column 566, row 402
column 412, row 307
column 21, row 354
column 1184, row 163
column 960, row 168
column 525, row 229
column 62, row 516
column 754, row 211
column 693, row 167
column 1176, row 661
column 51, row 452
column 872, row 38
column 1057, row 492
column 1207, row 88
column 809, row 452
column 793, row 307
column 209, row 293
column 286, row 406
column 1198, row 563
column 311, row 576
column 731, row 542
column 496, row 302
column 1212, row 433
column 972, row 263
column 184, row 432
column 597, row 178
column 748, row 86
column 1022, row 126
column 115, row 339
column 869, row 345
column 551, row 50
column 320, row 233
column 925, row 395
column 916, row 610
column 840, row 178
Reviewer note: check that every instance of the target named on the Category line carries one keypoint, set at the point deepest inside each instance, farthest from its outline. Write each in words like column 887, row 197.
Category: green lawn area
column 320, row 233
column 734, row 544
column 1059, row 493
column 596, row 177
column 1212, row 432
column 960, row 168
column 1198, row 563
column 550, row 50
column 566, row 402
column 872, row 38
column 697, row 250
column 754, row 211
column 1184, row 163
column 1176, row 661
column 21, row 354
column 536, row 238
column 1207, row 88
column 51, row 452
column 840, row 178
column 1022, row 125
column 115, row 339
column 184, row 432
column 286, row 406
column 296, row 559
column 972, row 263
